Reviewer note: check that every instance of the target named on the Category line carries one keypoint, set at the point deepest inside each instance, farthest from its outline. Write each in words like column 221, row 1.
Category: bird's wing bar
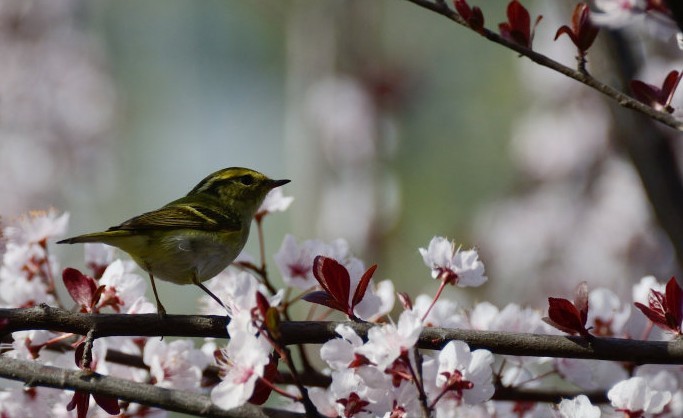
column 182, row 216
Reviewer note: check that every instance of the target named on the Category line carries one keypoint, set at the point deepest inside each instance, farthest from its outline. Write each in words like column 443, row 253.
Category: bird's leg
column 201, row 286
column 160, row 308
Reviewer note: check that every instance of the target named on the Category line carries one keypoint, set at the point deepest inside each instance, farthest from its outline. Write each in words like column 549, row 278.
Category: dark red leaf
column 585, row 30
column 323, row 298
column 463, row 9
column 655, row 97
column 563, row 313
column 520, row 21
column 653, row 315
column 472, row 15
column 262, row 304
column 262, row 390
column 362, row 287
column 566, row 30
column 674, row 298
column 333, row 277
column 669, row 87
column 81, row 287
column 558, row 326
column 80, row 401
column 78, row 354
column 477, row 20
column 110, row 405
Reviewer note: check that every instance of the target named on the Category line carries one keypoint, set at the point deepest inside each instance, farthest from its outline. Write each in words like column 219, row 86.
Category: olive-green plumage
column 192, row 239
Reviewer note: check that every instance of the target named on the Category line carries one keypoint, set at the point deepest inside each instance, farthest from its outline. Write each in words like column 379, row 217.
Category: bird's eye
column 246, row 180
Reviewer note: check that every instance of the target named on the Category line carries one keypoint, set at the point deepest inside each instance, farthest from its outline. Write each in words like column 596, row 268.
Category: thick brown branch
column 36, row 374
column 619, row 97
column 307, row 332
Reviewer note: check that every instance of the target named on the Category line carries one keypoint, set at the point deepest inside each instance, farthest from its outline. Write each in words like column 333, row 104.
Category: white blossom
column 444, row 260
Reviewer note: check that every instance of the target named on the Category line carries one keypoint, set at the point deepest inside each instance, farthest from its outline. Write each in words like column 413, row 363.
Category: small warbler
column 192, row 239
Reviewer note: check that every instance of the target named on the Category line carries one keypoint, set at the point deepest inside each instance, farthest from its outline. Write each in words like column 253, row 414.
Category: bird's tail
column 103, row 237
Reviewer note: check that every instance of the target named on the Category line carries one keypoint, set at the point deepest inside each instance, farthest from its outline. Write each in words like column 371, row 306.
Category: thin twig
column 584, row 78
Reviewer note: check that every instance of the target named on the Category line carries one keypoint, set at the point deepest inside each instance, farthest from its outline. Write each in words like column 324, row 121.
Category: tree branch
column 36, row 374
column 308, row 332
column 540, row 59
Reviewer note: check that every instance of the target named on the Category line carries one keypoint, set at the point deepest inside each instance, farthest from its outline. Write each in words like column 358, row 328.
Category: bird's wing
column 183, row 216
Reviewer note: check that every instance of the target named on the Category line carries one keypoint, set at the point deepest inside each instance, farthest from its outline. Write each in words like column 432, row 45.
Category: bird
column 192, row 239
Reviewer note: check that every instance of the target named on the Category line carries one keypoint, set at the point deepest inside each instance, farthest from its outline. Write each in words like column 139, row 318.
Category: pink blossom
column 176, row 365
column 387, row 342
column 465, row 375
column 244, row 362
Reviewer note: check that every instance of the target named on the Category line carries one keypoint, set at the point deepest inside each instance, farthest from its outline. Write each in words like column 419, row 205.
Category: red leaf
column 323, row 298
column 110, row 405
column 262, row 304
column 80, row 401
column 463, row 9
column 520, row 21
column 81, row 287
column 362, row 287
column 566, row 30
column 563, row 313
column 655, row 316
column 669, row 87
column 472, row 15
column 674, row 298
column 78, row 354
column 333, row 277
column 262, row 390
column 655, row 97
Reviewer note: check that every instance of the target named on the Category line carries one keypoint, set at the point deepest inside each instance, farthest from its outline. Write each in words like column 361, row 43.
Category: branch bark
column 307, row 332
column 36, row 374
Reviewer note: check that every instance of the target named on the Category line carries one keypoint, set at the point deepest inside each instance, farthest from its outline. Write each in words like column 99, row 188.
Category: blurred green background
column 205, row 85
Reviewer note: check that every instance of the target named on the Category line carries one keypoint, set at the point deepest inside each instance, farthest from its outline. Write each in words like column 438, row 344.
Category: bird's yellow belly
column 180, row 257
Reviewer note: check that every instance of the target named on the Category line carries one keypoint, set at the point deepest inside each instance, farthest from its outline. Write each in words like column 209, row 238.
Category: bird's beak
column 277, row 183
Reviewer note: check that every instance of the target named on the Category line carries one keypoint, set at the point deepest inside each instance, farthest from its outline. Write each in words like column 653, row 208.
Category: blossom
column 339, row 353
column 37, row 227
column 295, row 261
column 176, row 365
column 608, row 315
column 387, row 342
column 579, row 407
column 445, row 313
column 618, row 13
column 465, row 375
column 98, row 257
column 244, row 361
column 275, row 201
column 590, row 374
column 454, row 265
column 636, row 397
column 122, row 287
